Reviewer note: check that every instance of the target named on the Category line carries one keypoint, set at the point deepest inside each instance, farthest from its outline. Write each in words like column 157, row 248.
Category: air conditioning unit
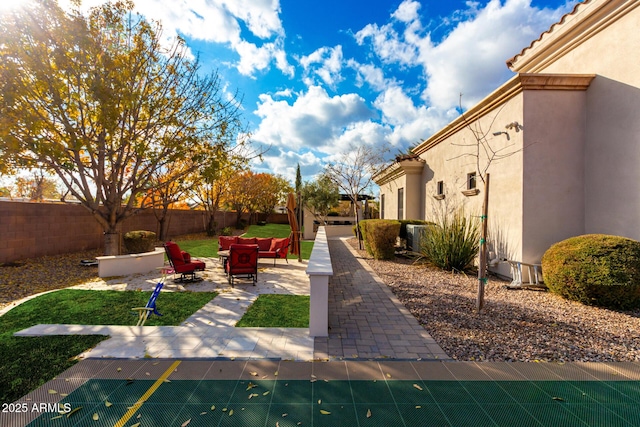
column 415, row 235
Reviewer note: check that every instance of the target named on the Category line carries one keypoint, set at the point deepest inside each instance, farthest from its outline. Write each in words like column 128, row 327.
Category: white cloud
column 329, row 61
column 470, row 59
column 218, row 21
column 313, row 121
column 370, row 74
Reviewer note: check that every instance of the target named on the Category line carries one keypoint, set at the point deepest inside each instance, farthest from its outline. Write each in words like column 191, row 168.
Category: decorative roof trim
column 516, row 85
column 587, row 18
column 408, row 166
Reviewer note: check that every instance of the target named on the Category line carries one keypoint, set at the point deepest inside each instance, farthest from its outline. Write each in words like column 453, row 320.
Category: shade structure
column 293, row 223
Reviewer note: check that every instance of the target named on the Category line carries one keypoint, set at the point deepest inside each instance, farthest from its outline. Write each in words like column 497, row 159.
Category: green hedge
column 595, row 269
column 380, row 237
column 139, row 241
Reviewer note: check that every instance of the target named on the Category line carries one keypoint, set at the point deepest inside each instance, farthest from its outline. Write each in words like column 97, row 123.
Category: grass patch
column 207, row 248
column 277, row 311
column 29, row 362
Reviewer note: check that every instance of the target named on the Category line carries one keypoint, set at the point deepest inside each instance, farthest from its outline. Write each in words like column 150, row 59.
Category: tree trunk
column 482, row 267
column 112, row 242
column 211, row 225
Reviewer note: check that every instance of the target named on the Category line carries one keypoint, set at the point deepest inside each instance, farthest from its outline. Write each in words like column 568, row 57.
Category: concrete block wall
column 29, row 230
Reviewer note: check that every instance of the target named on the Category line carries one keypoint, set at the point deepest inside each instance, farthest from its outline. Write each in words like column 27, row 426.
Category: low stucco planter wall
column 319, row 270
column 122, row 265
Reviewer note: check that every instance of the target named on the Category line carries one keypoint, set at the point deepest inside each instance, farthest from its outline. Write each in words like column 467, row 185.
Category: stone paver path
column 365, row 319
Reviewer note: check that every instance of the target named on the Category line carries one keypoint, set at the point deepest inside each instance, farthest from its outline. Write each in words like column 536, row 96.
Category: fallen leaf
column 213, row 407
column 388, row 375
column 231, row 412
column 368, row 413
column 107, row 403
column 323, row 412
column 74, row 411
column 95, row 417
column 224, row 409
column 186, row 423
column 203, row 413
column 139, row 416
column 252, row 395
column 319, row 401
column 119, row 369
column 56, row 418
column 275, row 373
column 417, row 386
column 52, row 391
column 558, row 398
column 284, row 415
column 418, row 407
column 147, row 373
column 136, row 425
column 266, row 392
column 254, row 374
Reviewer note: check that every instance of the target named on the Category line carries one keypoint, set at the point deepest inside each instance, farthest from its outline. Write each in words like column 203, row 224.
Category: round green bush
column 595, row 269
column 139, row 241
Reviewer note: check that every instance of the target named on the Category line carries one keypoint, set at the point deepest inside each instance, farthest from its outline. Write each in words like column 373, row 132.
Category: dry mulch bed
column 24, row 278
column 515, row 325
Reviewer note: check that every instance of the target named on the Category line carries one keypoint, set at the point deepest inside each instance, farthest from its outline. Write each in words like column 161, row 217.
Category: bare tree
column 484, row 153
column 353, row 172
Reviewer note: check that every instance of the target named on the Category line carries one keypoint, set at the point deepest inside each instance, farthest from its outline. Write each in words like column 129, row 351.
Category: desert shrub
column 380, row 237
column 595, row 269
column 452, row 242
column 139, row 241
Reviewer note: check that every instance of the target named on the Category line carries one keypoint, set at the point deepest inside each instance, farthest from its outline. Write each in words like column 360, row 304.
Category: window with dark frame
column 401, row 203
column 382, row 206
column 440, row 188
column 471, row 181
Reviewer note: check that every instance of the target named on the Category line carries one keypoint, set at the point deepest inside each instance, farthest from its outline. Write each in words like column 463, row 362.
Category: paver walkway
column 366, row 320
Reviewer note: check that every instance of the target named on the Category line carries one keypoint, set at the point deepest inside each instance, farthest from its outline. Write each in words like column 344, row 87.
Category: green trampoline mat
column 349, row 403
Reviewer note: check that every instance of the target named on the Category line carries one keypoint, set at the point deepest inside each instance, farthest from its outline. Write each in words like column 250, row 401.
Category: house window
column 401, row 203
column 471, row 181
column 439, row 190
column 382, row 206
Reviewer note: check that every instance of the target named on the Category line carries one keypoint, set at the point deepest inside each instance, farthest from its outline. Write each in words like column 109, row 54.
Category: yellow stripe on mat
column 126, row 417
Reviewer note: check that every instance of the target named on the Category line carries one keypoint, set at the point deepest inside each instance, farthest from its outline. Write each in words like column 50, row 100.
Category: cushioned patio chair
column 183, row 264
column 242, row 261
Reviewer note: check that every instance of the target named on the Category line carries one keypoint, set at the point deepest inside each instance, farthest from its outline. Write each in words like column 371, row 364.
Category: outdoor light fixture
column 502, row 132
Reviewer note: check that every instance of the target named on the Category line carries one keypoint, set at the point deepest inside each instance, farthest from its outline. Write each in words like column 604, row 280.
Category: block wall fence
column 29, row 230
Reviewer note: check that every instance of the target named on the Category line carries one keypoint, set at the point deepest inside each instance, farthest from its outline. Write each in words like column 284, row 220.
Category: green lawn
column 29, row 362
column 208, row 248
column 277, row 311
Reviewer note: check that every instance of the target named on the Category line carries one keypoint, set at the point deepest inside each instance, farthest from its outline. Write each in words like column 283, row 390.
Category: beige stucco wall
column 452, row 159
column 612, row 136
column 553, row 169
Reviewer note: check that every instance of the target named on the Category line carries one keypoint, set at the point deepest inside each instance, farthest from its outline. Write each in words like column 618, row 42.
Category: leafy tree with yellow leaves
column 101, row 101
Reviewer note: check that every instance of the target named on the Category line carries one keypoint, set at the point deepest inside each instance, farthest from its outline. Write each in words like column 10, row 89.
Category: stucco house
column 565, row 131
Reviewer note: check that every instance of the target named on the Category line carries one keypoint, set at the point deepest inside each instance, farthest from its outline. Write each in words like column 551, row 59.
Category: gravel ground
column 516, row 325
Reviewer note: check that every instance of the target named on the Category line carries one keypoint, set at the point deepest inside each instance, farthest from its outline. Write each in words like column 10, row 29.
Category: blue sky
column 317, row 76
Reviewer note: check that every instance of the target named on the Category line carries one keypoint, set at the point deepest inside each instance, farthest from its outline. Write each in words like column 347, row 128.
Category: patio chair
column 183, row 264
column 150, row 308
column 242, row 261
